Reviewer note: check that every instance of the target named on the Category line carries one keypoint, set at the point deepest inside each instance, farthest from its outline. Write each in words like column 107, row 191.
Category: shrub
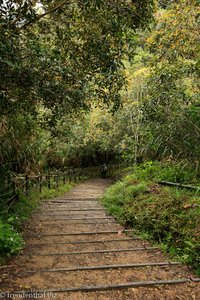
column 11, row 242
column 166, row 171
column 12, row 220
column 167, row 215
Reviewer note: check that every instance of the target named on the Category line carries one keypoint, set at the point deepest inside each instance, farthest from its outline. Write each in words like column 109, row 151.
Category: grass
column 13, row 219
column 169, row 216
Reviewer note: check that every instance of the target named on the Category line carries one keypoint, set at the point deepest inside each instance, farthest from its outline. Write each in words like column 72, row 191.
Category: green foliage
column 166, row 215
column 56, row 58
column 66, row 54
column 11, row 241
column 171, row 101
column 13, row 219
column 166, row 171
column 53, row 192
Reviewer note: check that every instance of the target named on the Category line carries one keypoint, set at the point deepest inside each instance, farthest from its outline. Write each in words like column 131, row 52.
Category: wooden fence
column 14, row 184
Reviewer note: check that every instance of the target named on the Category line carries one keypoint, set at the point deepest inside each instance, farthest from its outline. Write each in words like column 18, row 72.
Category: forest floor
column 72, row 243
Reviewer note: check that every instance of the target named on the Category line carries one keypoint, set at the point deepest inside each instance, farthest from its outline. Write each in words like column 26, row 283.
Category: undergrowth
column 12, row 218
column 169, row 216
column 179, row 172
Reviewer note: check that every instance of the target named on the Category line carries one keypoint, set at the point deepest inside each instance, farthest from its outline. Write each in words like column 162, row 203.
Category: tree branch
column 59, row 5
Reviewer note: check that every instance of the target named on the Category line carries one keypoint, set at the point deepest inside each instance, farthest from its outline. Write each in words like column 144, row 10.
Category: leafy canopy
column 63, row 53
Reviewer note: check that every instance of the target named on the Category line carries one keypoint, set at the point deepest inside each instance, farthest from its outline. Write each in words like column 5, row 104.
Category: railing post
column 40, row 183
column 70, row 175
column 26, row 184
column 57, row 179
column 13, row 187
column 48, row 181
column 3, row 181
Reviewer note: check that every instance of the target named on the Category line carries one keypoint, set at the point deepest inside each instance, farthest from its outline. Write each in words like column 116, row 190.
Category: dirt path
column 74, row 250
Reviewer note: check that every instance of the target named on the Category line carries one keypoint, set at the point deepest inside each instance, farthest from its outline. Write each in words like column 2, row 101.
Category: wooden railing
column 14, row 184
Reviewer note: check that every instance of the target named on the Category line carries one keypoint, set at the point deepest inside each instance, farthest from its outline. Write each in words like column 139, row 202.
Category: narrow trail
column 74, row 250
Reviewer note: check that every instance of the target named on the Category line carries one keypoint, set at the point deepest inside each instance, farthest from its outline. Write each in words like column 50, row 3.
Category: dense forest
column 58, row 58
column 88, row 81
column 85, row 82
